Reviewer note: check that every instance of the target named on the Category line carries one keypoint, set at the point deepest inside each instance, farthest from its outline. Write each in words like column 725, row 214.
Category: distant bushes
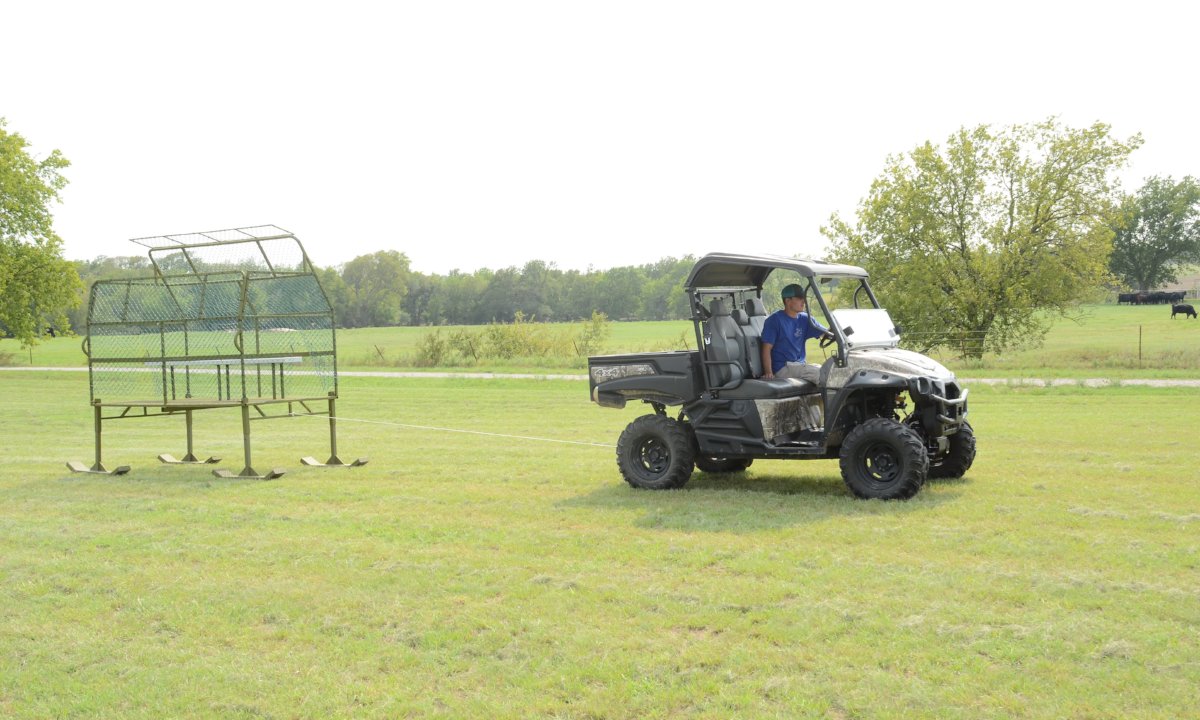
column 521, row 339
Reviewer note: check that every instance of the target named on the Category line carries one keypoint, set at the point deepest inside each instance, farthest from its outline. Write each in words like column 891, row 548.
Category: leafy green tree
column 456, row 298
column 975, row 244
column 421, row 289
column 499, row 301
column 104, row 267
column 619, row 292
column 662, row 296
column 1158, row 232
column 537, row 288
column 576, row 297
column 37, row 285
column 376, row 285
column 337, row 293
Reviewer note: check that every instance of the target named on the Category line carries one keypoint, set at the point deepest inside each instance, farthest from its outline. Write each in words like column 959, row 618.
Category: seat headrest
column 754, row 306
column 718, row 307
column 740, row 317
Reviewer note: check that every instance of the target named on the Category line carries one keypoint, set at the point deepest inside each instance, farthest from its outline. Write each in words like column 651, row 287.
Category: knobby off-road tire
column 655, row 453
column 883, row 459
column 721, row 465
column 957, row 460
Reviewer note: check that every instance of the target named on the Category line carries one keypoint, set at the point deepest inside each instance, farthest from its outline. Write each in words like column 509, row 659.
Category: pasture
column 1101, row 341
column 463, row 575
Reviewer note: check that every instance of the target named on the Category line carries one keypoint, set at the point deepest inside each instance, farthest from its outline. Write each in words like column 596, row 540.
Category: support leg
column 248, row 471
column 98, row 468
column 334, row 460
column 190, row 458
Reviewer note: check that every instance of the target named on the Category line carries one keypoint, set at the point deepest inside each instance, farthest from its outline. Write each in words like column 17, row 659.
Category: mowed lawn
column 462, row 575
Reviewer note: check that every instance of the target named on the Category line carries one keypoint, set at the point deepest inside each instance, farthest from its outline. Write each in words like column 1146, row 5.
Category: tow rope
column 455, row 430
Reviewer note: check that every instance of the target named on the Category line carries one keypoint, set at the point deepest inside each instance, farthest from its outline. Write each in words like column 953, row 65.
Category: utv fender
column 863, row 381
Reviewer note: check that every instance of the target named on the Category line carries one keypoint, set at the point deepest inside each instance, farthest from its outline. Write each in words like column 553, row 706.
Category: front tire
column 883, row 459
column 957, row 460
column 654, row 453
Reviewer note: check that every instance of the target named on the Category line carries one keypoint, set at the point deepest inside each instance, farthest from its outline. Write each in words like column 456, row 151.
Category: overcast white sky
column 487, row 134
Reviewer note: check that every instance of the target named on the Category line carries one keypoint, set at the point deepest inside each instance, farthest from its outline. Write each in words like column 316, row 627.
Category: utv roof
column 752, row 270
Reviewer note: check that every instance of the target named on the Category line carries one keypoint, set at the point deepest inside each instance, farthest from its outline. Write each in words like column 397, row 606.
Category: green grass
column 463, row 575
column 1102, row 342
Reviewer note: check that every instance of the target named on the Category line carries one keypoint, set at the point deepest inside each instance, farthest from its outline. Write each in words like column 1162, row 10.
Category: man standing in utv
column 783, row 338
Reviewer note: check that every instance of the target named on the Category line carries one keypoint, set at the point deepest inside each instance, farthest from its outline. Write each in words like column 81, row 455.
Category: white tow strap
column 453, row 430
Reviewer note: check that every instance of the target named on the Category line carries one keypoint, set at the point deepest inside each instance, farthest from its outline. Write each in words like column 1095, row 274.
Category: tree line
column 381, row 289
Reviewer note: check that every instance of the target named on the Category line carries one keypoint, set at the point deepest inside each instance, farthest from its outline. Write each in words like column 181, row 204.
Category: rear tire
column 883, row 459
column 722, row 465
column 957, row 460
column 655, row 453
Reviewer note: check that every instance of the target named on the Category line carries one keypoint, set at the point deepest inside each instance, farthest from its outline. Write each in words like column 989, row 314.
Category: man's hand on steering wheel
column 827, row 340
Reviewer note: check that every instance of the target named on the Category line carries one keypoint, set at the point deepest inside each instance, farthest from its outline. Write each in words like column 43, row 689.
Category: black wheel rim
column 881, row 464
column 653, row 455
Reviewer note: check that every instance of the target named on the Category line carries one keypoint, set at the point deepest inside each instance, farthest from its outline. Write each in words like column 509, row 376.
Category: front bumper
column 942, row 405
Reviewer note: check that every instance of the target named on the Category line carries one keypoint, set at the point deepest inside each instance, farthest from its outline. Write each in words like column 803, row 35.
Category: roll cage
column 739, row 277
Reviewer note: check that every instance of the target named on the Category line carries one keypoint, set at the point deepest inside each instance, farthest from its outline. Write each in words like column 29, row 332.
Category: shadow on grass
column 752, row 502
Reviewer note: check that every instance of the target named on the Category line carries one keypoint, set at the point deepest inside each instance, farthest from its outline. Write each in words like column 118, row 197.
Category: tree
column 976, row 244
column 536, row 289
column 1159, row 231
column 663, row 297
column 337, row 293
column 103, row 267
column 499, row 301
column 37, row 285
column 421, row 290
column 619, row 292
column 376, row 285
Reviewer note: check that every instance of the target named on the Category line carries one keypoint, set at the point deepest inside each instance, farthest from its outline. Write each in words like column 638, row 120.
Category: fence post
column 1139, row 347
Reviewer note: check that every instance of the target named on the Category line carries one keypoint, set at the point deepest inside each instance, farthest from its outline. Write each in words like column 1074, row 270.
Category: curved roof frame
column 736, row 270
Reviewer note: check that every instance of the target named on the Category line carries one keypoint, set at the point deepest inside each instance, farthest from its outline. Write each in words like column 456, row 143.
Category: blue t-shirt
column 787, row 336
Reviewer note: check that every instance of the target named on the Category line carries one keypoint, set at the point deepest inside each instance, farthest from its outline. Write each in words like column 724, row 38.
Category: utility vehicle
column 892, row 417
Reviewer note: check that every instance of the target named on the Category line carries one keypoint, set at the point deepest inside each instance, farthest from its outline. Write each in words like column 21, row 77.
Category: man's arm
column 816, row 329
column 766, row 360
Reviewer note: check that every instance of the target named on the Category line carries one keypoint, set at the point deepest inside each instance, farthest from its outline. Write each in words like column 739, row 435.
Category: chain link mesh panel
column 239, row 314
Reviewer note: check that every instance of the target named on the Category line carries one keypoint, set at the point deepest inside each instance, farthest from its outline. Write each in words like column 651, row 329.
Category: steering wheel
column 827, row 340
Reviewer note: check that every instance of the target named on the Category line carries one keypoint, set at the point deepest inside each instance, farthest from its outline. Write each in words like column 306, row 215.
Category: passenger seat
column 753, row 345
column 757, row 312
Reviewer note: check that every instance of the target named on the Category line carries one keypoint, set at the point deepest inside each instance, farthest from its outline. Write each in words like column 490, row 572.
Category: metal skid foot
column 188, row 459
column 249, row 473
column 97, row 469
column 333, row 461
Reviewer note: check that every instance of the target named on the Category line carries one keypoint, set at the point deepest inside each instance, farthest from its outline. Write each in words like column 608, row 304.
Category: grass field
column 462, row 575
column 1103, row 342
